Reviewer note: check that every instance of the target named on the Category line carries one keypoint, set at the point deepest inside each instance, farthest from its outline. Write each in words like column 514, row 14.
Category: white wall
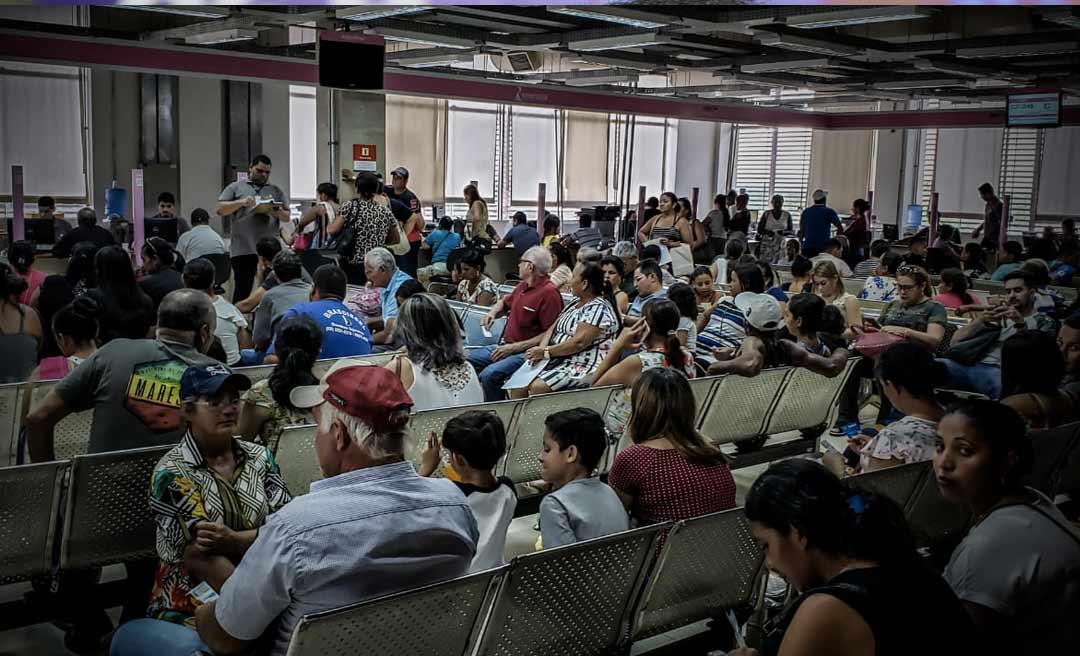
column 887, row 182
column 696, row 162
column 275, row 132
column 115, row 125
column 201, row 142
column 1060, row 172
column 966, row 159
column 840, row 164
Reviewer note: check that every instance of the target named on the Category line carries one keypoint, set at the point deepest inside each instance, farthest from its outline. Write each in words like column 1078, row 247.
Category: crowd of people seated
column 241, row 558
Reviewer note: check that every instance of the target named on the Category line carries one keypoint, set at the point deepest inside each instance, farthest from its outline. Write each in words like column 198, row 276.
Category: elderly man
column 381, row 271
column 370, row 528
column 532, row 307
column 88, row 230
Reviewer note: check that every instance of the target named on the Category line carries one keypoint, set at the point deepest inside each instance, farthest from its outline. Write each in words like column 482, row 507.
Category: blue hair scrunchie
column 857, row 503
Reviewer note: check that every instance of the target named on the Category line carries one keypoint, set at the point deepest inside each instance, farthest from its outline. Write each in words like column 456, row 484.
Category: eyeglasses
column 905, row 288
column 218, row 404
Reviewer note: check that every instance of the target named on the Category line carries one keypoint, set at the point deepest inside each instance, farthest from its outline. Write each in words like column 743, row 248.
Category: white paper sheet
column 525, row 375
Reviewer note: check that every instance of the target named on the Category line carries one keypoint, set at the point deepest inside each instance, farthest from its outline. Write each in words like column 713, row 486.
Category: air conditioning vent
column 522, row 61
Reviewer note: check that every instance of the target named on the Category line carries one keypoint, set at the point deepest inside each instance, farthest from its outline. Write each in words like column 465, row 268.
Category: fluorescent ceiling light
column 394, row 34
column 610, row 78
column 919, row 84
column 1020, row 50
column 367, row 13
column 806, row 44
column 845, row 17
column 641, row 40
column 194, row 11
column 221, row 36
column 428, row 57
column 596, row 14
column 769, row 67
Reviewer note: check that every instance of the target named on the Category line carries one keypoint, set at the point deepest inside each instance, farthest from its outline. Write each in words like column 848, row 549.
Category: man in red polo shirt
column 533, row 306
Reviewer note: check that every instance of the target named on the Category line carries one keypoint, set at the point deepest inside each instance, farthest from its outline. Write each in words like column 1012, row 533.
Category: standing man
column 257, row 208
column 399, row 189
column 990, row 228
column 814, row 225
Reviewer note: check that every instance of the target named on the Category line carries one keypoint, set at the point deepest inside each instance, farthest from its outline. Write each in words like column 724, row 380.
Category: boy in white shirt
column 580, row 507
column 476, row 440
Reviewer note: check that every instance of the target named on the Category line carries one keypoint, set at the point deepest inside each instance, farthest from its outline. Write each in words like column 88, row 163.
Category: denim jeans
column 494, row 374
column 148, row 636
column 978, row 377
column 250, row 358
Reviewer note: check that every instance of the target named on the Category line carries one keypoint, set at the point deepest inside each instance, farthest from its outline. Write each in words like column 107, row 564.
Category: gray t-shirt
column 248, row 227
column 1024, row 564
column 133, row 387
column 581, row 510
column 274, row 304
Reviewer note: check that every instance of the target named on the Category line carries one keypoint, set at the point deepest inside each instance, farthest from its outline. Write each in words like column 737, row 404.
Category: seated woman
column 723, row 264
column 266, row 409
column 614, row 274
column 771, row 286
column 723, row 325
column 128, row 311
column 1015, row 571
column 802, row 279
column 158, row 273
column 684, row 298
column 1032, row 369
column 953, row 291
column 704, row 285
column 20, row 329
column 882, row 285
column 863, row 590
column 573, row 347
column 75, row 327
column 561, row 271
column 433, row 369
column 655, row 343
column 830, row 287
column 671, row 471
column 907, row 375
column 209, row 494
column 475, row 286
column 762, row 347
column 803, row 316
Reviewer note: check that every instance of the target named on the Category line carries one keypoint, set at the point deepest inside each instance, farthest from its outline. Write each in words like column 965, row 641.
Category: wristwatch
column 547, row 353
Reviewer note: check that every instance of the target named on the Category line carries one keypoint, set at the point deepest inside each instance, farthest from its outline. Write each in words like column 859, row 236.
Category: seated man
column 88, row 230
column 533, row 307
column 648, row 281
column 586, row 236
column 344, row 332
column 521, row 236
column 201, row 239
column 267, row 249
column 232, row 327
column 166, row 204
column 832, row 253
column 47, row 211
column 380, row 268
column 1017, row 313
column 291, row 291
column 372, row 527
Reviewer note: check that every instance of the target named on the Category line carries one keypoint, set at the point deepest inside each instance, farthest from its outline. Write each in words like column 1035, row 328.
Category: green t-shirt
column 916, row 317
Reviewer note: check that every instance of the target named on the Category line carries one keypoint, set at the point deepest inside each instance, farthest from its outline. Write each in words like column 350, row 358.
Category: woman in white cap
column 762, row 347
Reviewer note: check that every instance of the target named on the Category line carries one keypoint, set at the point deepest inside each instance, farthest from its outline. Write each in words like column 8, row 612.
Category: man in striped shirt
column 868, row 267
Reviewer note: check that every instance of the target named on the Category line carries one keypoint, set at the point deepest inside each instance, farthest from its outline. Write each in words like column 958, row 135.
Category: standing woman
column 771, row 228
column 373, row 226
column 1016, row 570
column 20, row 329
column 577, row 342
column 858, row 231
column 478, row 213
column 671, row 471
column 739, row 226
column 716, row 220
column 699, row 244
column 667, row 226
column 314, row 222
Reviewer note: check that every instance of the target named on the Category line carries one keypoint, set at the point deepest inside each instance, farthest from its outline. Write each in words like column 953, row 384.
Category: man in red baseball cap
column 370, row 528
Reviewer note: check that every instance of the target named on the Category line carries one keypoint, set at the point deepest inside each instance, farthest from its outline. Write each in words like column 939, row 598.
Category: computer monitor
column 164, row 228
column 39, row 231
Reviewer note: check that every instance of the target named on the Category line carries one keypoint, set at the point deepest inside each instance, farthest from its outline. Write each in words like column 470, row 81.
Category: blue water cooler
column 913, row 219
column 115, row 201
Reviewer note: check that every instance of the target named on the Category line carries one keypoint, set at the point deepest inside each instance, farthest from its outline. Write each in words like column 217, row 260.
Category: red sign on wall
column 363, row 157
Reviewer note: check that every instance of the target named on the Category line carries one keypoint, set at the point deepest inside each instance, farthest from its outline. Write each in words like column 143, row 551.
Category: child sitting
column 580, row 507
column 476, row 440
column 803, row 314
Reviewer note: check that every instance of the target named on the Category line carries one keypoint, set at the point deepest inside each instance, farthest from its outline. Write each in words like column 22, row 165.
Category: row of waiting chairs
column 590, row 598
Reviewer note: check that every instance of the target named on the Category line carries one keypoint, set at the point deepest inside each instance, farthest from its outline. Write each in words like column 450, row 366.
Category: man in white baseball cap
column 762, row 347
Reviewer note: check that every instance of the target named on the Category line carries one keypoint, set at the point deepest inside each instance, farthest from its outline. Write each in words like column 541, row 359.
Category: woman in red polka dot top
column 671, row 472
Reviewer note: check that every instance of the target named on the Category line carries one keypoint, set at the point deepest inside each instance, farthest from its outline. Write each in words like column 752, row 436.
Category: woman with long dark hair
column 128, row 311
column 267, row 410
column 478, row 213
column 575, row 345
column 75, row 330
column 668, row 226
column 20, row 329
column 562, row 267
column 862, row 588
column 954, row 290
column 1016, row 570
column 671, row 471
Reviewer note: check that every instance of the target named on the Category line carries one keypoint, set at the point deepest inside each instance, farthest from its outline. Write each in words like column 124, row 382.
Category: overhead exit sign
column 1034, row 109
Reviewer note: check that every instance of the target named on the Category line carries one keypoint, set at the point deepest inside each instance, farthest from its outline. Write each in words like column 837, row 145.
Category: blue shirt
column 442, row 242
column 389, row 295
column 1003, row 270
column 1062, row 273
column 344, row 332
column 638, row 305
column 815, row 224
column 522, row 237
column 358, row 535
